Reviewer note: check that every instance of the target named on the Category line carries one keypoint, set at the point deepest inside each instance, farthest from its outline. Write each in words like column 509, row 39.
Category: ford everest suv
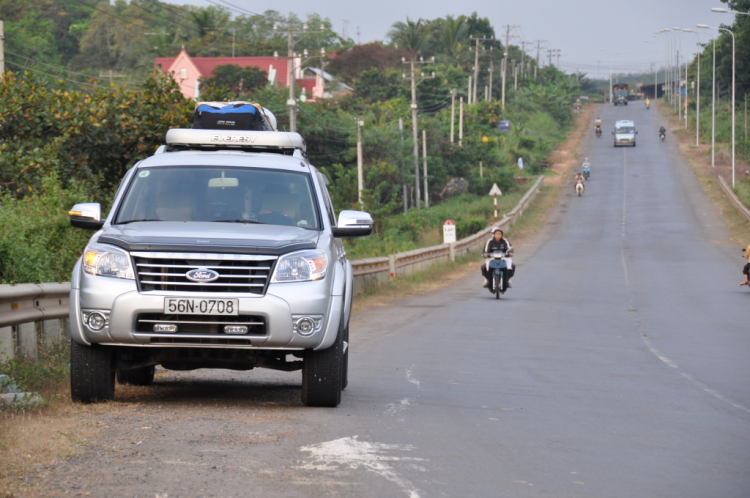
column 222, row 250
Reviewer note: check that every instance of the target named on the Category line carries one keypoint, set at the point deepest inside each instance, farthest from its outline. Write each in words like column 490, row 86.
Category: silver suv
column 222, row 250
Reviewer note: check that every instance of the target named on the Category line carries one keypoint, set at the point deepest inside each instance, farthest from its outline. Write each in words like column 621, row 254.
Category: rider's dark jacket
column 492, row 245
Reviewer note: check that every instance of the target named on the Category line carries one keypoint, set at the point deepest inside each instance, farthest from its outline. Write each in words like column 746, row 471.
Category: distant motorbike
column 586, row 171
column 662, row 136
column 598, row 131
column 579, row 189
column 500, row 273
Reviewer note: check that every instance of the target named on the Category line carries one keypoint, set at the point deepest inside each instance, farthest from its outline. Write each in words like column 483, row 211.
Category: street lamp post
column 697, row 91
column 705, row 26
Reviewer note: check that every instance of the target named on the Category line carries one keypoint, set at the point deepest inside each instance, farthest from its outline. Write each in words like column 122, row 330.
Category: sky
column 593, row 36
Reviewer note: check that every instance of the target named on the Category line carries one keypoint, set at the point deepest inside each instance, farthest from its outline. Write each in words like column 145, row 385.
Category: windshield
column 625, row 130
column 216, row 194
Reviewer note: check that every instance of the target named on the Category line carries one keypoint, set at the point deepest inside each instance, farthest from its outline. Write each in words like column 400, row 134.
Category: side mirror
column 87, row 216
column 353, row 224
column 613, row 133
column 636, row 133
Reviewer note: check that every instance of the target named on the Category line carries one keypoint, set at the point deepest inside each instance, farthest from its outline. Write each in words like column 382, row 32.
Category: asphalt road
column 617, row 366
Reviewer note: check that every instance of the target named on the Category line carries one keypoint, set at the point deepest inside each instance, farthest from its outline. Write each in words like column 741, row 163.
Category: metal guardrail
column 735, row 200
column 25, row 303
column 22, row 305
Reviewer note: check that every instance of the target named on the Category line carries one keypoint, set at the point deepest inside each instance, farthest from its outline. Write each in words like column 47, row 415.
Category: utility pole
column 453, row 112
column 291, row 56
column 538, row 47
column 414, row 83
column 523, row 53
column 405, row 187
column 424, row 168
column 2, row 50
column 360, row 168
column 460, row 121
column 549, row 57
column 558, row 57
column 491, row 69
column 505, row 60
column 476, row 63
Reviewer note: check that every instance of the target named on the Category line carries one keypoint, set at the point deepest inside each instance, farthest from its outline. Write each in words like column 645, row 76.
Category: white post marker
column 449, row 232
column 495, row 191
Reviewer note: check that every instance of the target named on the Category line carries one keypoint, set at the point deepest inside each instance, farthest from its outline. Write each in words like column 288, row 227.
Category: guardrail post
column 7, row 351
column 51, row 332
column 27, row 340
column 392, row 265
column 452, row 249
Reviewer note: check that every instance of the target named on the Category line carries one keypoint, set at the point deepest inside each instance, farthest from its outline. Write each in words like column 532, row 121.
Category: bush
column 37, row 243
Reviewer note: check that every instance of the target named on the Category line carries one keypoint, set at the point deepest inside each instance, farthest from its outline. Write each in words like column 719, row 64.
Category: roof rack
column 281, row 141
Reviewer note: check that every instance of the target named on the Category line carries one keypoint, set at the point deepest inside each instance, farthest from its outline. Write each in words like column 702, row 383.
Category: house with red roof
column 188, row 71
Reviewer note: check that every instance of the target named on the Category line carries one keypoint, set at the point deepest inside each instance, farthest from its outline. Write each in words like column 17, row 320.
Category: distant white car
column 624, row 133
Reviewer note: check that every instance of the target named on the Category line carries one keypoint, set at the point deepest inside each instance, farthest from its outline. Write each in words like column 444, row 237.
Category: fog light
column 305, row 326
column 97, row 321
column 235, row 329
column 165, row 327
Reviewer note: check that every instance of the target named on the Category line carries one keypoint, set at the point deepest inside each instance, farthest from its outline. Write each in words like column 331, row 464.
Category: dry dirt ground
column 60, row 451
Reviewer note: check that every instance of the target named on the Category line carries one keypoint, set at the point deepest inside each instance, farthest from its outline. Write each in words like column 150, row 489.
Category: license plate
column 191, row 306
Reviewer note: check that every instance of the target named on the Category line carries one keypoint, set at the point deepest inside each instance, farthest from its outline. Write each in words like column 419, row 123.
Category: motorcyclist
column 662, row 131
column 586, row 168
column 598, row 124
column 579, row 179
column 648, row 103
column 497, row 243
column 746, row 269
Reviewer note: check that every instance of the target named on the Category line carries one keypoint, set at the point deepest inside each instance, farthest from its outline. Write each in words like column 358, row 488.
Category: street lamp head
column 704, row 26
column 688, row 30
column 719, row 9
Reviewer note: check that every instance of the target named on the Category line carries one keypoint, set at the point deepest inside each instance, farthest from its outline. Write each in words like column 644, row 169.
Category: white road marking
column 412, row 379
column 348, row 452
column 394, row 408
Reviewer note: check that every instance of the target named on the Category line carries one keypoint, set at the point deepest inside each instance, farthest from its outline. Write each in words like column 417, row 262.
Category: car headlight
column 107, row 264
column 301, row 266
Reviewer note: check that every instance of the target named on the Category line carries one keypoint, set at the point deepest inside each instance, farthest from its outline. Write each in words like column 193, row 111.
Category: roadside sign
column 495, row 190
column 449, row 232
column 504, row 125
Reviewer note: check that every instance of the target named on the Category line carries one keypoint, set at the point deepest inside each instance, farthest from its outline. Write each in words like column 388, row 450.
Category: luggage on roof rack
column 247, row 116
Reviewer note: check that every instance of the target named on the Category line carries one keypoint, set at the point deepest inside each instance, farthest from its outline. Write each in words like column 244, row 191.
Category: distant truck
column 620, row 92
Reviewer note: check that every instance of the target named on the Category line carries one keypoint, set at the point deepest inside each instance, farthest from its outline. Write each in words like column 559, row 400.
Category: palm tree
column 452, row 35
column 411, row 35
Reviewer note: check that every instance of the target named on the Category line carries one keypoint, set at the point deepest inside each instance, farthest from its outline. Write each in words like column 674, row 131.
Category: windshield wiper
column 134, row 221
column 238, row 221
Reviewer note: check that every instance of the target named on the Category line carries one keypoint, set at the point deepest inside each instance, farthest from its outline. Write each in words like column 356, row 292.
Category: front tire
column 141, row 376
column 497, row 282
column 92, row 372
column 322, row 372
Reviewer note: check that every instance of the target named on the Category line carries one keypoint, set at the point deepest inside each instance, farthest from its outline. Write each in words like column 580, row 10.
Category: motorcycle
column 598, row 131
column 586, row 171
column 579, row 189
column 500, row 273
column 662, row 136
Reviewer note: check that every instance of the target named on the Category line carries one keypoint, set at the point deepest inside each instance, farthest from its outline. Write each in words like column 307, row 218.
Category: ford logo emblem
column 202, row 275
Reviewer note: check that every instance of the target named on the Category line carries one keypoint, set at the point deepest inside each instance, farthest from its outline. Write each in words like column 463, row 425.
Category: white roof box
column 222, row 139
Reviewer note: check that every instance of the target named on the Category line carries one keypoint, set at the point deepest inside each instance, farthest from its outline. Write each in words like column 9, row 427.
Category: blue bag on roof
column 231, row 116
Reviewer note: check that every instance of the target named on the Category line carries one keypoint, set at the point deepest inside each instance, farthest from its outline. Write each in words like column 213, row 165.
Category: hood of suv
column 204, row 237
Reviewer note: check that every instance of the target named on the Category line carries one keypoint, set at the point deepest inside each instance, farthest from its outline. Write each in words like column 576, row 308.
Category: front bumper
column 282, row 303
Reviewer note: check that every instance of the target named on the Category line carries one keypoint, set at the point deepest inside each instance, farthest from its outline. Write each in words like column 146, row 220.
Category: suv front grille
column 168, row 272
